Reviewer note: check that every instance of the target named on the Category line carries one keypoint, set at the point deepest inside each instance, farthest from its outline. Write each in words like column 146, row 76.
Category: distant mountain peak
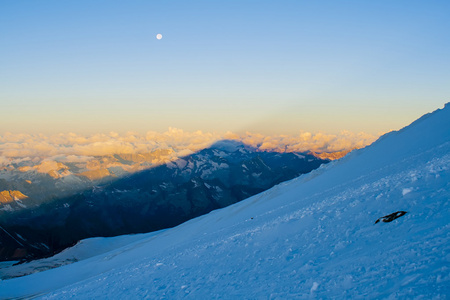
column 231, row 146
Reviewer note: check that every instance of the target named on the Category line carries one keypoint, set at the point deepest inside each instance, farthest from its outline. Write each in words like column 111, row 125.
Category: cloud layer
column 79, row 148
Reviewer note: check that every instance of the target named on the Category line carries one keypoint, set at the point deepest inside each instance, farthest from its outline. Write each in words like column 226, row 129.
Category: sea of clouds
column 80, row 148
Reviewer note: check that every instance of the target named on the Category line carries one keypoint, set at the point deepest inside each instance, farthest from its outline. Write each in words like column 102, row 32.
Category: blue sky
column 264, row 66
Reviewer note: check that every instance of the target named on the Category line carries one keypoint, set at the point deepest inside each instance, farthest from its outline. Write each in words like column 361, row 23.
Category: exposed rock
column 96, row 174
column 10, row 196
column 391, row 217
column 331, row 155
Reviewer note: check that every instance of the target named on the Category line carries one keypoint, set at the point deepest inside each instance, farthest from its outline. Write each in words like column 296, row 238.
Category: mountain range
column 46, row 219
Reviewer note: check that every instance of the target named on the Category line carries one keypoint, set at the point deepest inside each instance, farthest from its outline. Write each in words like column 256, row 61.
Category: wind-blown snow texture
column 313, row 236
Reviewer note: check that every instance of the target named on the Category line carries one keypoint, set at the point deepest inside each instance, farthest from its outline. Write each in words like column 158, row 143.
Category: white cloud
column 78, row 148
column 4, row 161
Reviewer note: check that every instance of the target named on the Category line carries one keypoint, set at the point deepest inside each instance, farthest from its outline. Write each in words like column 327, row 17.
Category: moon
column 159, row 36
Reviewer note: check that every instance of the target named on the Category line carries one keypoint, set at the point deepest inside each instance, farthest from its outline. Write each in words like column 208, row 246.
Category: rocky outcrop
column 10, row 196
column 331, row 155
column 96, row 174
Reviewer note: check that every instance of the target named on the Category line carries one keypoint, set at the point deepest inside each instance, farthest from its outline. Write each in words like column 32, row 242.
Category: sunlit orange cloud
column 76, row 147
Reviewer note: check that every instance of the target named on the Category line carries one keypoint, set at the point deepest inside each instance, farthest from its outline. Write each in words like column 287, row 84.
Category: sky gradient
column 275, row 67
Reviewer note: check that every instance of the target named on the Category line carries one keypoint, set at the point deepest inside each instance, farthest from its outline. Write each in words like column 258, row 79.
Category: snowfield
column 312, row 237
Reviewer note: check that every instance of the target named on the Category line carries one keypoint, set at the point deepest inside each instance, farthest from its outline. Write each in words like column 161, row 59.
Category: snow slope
column 84, row 249
column 310, row 237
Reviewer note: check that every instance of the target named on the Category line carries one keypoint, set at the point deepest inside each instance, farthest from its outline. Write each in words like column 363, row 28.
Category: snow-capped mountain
column 153, row 199
column 313, row 237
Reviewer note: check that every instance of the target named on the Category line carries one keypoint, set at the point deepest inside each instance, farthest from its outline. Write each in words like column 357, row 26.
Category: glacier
column 312, row 237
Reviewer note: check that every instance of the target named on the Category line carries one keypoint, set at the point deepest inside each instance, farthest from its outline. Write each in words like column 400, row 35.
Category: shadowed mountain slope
column 157, row 198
